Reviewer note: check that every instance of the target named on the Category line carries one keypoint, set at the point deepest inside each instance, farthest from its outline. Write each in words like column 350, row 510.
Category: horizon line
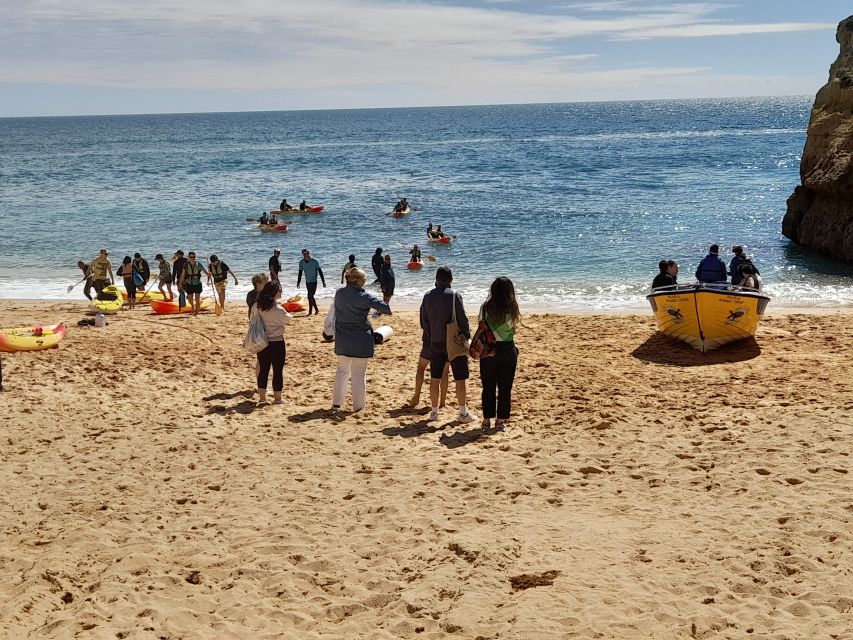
column 435, row 106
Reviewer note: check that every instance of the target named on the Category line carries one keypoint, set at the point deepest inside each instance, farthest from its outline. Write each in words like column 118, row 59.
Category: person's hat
column 179, row 252
column 137, row 255
column 159, row 256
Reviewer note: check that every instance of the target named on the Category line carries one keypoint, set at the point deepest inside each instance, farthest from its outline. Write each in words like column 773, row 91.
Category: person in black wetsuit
column 303, row 205
column 275, row 265
column 178, row 268
column 284, row 206
column 376, row 263
column 87, row 273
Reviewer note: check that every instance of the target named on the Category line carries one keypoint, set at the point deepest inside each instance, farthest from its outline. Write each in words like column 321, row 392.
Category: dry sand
column 643, row 490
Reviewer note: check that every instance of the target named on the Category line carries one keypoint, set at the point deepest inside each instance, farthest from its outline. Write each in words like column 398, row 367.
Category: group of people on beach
column 712, row 269
column 441, row 311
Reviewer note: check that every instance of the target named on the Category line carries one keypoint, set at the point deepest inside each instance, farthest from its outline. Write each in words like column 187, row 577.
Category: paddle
column 71, row 286
column 217, row 308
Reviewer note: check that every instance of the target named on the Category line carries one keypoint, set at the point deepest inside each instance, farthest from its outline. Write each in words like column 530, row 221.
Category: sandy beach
column 642, row 490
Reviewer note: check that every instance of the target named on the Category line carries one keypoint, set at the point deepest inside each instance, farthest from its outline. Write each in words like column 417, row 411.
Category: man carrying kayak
column 312, row 269
column 102, row 271
column 220, row 272
column 87, row 275
column 191, row 282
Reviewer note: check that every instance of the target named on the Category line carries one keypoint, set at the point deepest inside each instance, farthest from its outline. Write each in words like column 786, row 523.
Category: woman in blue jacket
column 354, row 338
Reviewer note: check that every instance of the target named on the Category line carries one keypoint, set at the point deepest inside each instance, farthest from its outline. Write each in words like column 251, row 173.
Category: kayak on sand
column 165, row 307
column 32, row 338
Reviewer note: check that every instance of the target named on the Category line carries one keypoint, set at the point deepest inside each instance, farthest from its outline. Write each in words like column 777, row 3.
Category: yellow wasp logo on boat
column 675, row 313
column 735, row 315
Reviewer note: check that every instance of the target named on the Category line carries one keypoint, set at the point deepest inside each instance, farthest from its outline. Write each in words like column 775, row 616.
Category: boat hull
column 31, row 338
column 707, row 316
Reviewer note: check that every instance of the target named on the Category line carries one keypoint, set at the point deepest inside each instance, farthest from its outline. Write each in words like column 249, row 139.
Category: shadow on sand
column 230, row 396
column 318, row 414
column 661, row 349
column 245, row 407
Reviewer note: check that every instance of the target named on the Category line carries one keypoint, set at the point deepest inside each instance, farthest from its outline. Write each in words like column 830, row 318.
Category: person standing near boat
column 87, row 277
column 165, row 277
column 126, row 271
column 219, row 270
column 140, row 264
column 102, row 271
column 191, row 282
column 712, row 268
column 497, row 373
column 311, row 268
column 275, row 265
column 178, row 268
column 376, row 263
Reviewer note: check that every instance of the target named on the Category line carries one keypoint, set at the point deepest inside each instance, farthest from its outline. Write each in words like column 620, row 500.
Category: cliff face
column 820, row 211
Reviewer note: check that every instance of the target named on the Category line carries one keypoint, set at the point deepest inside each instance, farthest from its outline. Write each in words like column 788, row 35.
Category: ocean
column 575, row 202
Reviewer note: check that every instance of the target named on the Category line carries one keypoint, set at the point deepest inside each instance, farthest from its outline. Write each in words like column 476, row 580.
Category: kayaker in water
column 284, row 206
column 263, row 219
column 416, row 254
column 431, row 231
column 165, row 277
column 87, row 275
column 102, row 271
column 191, row 281
column 220, row 272
column 273, row 221
column 311, row 268
column 303, row 206
column 398, row 208
column 439, row 233
column 349, row 265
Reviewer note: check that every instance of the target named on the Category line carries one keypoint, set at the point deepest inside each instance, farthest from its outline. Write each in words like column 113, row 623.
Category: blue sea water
column 575, row 202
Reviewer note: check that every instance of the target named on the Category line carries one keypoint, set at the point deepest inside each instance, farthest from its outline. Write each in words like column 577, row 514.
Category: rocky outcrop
column 820, row 211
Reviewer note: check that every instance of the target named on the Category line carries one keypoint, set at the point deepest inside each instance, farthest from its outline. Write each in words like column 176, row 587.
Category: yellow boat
column 32, row 338
column 706, row 316
column 108, row 306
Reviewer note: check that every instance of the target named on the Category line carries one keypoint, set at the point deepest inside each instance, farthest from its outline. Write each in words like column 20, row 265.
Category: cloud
column 349, row 47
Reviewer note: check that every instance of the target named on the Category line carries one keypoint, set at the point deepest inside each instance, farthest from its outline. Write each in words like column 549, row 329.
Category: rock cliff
column 820, row 211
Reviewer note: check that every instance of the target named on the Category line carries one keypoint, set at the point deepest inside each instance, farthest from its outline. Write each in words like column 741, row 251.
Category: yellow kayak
column 706, row 316
column 108, row 306
column 146, row 297
column 32, row 338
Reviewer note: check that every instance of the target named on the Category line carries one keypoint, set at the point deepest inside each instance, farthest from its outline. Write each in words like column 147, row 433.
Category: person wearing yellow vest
column 102, row 271
column 219, row 270
column 191, row 281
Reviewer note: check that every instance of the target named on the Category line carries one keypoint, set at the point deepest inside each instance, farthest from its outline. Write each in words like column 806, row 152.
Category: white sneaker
column 465, row 417
column 433, row 415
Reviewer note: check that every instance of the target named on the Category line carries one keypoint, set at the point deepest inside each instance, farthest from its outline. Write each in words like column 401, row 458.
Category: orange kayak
column 415, row 265
column 164, row 307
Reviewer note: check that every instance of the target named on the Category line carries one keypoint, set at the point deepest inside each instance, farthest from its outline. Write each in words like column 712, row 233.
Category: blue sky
column 68, row 57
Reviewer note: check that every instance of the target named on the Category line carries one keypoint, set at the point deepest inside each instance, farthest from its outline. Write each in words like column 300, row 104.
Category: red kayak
column 317, row 208
column 272, row 227
column 415, row 265
column 171, row 306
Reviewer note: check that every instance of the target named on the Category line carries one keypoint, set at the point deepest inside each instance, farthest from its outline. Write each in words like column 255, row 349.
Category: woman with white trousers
column 354, row 338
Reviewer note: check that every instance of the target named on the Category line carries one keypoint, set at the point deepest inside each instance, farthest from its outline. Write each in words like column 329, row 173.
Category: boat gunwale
column 732, row 290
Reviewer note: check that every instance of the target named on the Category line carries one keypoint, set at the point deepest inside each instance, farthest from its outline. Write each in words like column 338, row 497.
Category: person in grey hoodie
column 436, row 312
column 354, row 338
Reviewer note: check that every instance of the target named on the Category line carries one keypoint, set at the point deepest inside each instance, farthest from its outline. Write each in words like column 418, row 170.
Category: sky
column 76, row 57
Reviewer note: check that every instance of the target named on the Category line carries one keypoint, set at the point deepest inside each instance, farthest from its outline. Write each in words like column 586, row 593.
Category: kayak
column 415, row 265
column 108, row 306
column 32, row 338
column 294, row 304
column 403, row 213
column 145, row 297
column 317, row 208
column 441, row 240
column 163, row 307
column 272, row 227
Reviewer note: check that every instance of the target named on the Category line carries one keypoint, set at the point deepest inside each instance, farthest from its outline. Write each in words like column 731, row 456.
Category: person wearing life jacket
column 165, row 277
column 711, row 269
column 263, row 220
column 140, row 264
column 273, row 220
column 284, row 206
column 102, row 271
column 303, row 206
column 415, row 253
column 439, row 233
column 430, row 231
column 191, row 282
column 219, row 270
